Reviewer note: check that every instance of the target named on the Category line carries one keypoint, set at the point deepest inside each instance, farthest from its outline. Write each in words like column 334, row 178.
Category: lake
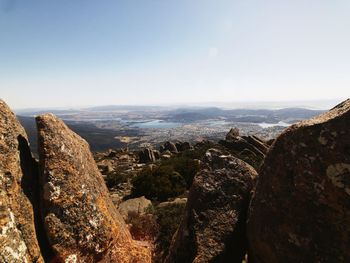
column 156, row 124
column 268, row 125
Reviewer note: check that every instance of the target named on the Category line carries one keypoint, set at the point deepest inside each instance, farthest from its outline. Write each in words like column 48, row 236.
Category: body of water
column 268, row 125
column 157, row 124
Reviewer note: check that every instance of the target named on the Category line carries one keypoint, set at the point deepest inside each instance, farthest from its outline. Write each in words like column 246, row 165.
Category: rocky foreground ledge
column 295, row 209
column 300, row 211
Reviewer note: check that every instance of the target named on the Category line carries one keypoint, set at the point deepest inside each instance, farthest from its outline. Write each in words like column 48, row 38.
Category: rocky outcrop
column 257, row 143
column 183, row 146
column 18, row 178
column 232, row 134
column 168, row 146
column 300, row 211
column 146, row 156
column 81, row 221
column 213, row 228
column 136, row 206
column 250, row 149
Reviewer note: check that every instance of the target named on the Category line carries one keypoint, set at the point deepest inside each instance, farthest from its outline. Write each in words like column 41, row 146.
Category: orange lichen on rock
column 82, row 223
column 18, row 238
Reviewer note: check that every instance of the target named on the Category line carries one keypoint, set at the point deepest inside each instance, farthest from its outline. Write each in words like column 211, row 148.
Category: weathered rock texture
column 213, row 228
column 18, row 239
column 300, row 211
column 168, row 146
column 136, row 206
column 81, row 221
column 250, row 149
column 146, row 156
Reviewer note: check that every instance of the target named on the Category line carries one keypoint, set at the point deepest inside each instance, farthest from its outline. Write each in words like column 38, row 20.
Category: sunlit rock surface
column 82, row 223
column 301, row 208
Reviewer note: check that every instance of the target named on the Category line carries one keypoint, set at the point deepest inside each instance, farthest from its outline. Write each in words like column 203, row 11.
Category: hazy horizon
column 312, row 104
column 85, row 52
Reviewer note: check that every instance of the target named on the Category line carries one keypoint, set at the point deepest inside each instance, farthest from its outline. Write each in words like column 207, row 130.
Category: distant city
column 136, row 127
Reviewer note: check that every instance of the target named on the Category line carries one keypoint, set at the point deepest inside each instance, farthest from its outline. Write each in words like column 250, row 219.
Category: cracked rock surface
column 300, row 211
column 213, row 228
column 81, row 221
column 18, row 238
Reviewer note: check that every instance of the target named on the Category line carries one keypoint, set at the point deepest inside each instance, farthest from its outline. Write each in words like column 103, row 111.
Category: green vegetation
column 185, row 166
column 170, row 178
column 159, row 183
column 116, row 178
column 168, row 218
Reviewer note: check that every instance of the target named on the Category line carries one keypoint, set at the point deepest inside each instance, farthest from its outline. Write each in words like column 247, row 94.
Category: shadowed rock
column 168, row 146
column 183, row 146
column 82, row 223
column 146, row 156
column 300, row 211
column 18, row 174
column 213, row 228
column 250, row 149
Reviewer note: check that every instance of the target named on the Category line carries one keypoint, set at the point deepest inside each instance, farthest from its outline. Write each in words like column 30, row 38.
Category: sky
column 66, row 53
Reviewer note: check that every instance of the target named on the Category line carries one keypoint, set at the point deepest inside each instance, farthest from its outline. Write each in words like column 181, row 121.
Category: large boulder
column 213, row 227
column 183, row 146
column 81, row 221
column 168, row 146
column 146, row 155
column 18, row 196
column 136, row 206
column 300, row 211
column 232, row 134
column 250, row 149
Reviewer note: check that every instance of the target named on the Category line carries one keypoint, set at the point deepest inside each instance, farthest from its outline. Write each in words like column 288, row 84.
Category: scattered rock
column 135, row 206
column 18, row 193
column 183, row 146
column 112, row 154
column 168, row 146
column 232, row 134
column 146, row 156
column 165, row 156
column 82, row 223
column 105, row 168
column 213, row 228
column 300, row 211
column 251, row 149
column 257, row 143
column 156, row 154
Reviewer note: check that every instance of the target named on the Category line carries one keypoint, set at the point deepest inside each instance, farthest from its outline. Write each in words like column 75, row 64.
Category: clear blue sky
column 97, row 52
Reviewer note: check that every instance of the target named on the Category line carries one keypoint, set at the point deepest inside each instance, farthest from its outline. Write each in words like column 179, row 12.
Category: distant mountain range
column 289, row 115
column 190, row 114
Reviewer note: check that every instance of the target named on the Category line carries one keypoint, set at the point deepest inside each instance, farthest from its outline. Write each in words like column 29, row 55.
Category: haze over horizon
column 76, row 53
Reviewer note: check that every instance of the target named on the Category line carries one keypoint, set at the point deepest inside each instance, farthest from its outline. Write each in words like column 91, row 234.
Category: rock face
column 250, row 149
column 183, row 146
column 300, row 211
column 18, row 175
column 213, row 228
column 232, row 134
column 81, row 221
column 168, row 146
column 146, row 156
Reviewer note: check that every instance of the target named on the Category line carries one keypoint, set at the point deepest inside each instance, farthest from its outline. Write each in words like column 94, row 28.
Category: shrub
column 143, row 227
column 168, row 218
column 159, row 183
column 115, row 178
column 185, row 166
